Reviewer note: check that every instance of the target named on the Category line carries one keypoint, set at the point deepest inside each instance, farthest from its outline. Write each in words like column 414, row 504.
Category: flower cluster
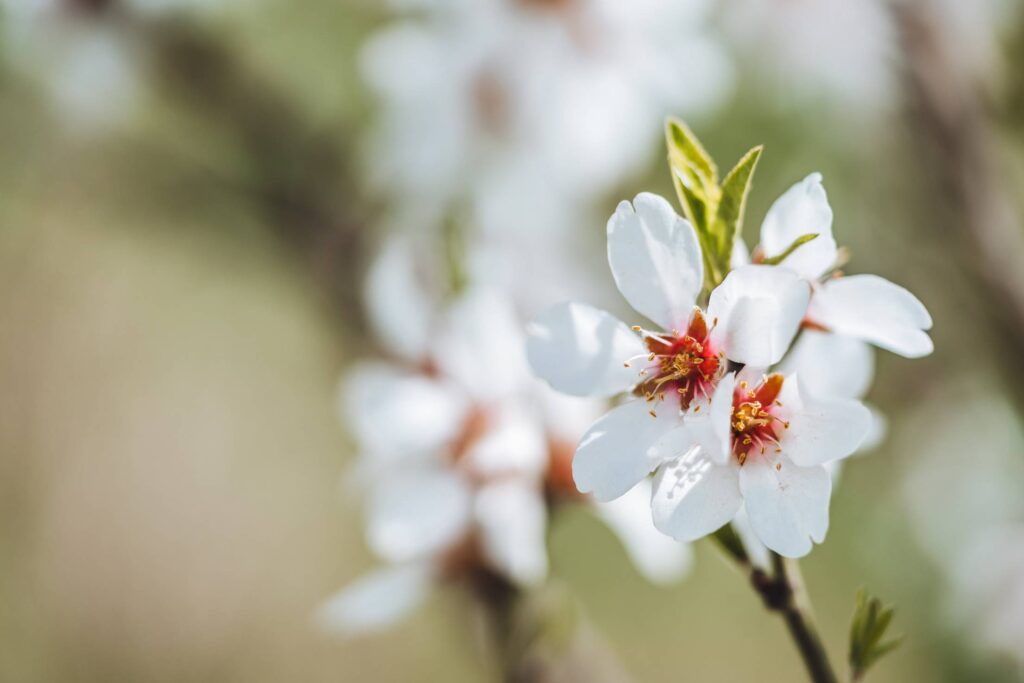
column 728, row 419
column 463, row 452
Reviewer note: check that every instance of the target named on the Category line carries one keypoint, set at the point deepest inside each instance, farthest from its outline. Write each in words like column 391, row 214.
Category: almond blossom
column 867, row 308
column 763, row 446
column 657, row 263
column 847, row 313
column 462, row 452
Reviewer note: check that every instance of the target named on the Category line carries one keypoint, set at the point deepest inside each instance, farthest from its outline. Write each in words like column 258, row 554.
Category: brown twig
column 782, row 591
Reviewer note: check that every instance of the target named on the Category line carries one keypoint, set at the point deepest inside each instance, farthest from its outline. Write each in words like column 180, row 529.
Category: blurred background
column 193, row 192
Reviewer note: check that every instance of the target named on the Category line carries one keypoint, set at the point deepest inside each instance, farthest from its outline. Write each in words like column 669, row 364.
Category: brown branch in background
column 524, row 630
column 300, row 177
column 974, row 213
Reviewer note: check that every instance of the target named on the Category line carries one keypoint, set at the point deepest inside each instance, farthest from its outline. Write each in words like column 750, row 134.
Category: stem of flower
column 783, row 591
column 797, row 612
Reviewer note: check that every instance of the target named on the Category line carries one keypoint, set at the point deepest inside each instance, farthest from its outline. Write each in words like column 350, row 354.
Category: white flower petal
column 758, row 310
column 756, row 550
column 396, row 298
column 877, row 432
column 787, row 505
column 831, row 364
column 820, row 428
column 694, row 497
column 706, row 424
column 568, row 417
column 659, row 558
column 740, row 254
column 612, row 457
column 581, row 350
column 720, row 415
column 656, row 260
column 481, row 345
column 376, row 601
column 417, row 513
column 873, row 309
column 513, row 523
column 395, row 413
column 515, row 442
column 803, row 209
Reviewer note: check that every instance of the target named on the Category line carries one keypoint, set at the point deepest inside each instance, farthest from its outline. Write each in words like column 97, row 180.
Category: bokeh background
column 191, row 194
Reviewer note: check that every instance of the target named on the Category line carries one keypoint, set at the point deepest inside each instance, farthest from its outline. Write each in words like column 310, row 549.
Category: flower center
column 684, row 364
column 755, row 427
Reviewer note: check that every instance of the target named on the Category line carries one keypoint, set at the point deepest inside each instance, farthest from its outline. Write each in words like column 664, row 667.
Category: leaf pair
column 715, row 210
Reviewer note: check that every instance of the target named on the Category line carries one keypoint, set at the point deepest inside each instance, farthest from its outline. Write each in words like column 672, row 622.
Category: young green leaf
column 729, row 214
column 867, row 629
column 684, row 149
column 796, row 244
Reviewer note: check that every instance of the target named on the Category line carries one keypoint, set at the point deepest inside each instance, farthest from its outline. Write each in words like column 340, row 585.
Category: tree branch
column 783, row 592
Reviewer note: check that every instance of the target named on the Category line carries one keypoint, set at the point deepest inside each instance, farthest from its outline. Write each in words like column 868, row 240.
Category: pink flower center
column 755, row 426
column 685, row 365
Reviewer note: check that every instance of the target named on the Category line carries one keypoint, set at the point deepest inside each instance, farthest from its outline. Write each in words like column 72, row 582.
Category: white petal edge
column 581, row 350
column 396, row 298
column 756, row 312
column 803, row 209
column 612, row 457
column 655, row 259
column 397, row 413
column 480, row 344
column 375, row 601
column 417, row 513
column 514, row 442
column 821, row 429
column 831, row 364
column 512, row 517
column 706, row 424
column 756, row 550
column 659, row 558
column 787, row 507
column 693, row 496
column 873, row 309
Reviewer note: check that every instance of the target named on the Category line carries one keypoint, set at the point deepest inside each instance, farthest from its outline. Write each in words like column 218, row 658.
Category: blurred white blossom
column 84, row 65
column 962, row 490
column 462, row 451
column 524, row 112
column 847, row 52
column 89, row 67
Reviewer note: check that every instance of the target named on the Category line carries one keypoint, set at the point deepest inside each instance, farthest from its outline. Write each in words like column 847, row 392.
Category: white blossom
column 657, row 264
column 461, row 450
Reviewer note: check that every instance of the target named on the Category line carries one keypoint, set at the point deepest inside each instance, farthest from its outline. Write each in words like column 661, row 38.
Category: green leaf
column 693, row 200
column 868, row 627
column 796, row 244
column 733, row 200
column 685, row 150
